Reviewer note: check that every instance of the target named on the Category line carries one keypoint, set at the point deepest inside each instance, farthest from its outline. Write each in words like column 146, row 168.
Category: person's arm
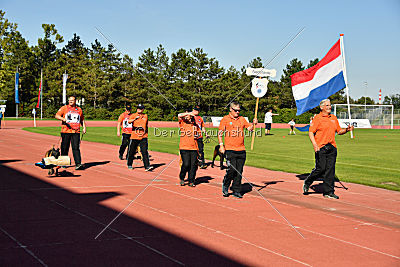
column 181, row 115
column 221, row 144
column 252, row 125
column 132, row 120
column 84, row 126
column 345, row 130
column 118, row 128
column 314, row 143
column 59, row 115
column 273, row 114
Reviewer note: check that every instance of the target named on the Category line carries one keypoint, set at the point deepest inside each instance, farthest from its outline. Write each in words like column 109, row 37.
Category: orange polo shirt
column 123, row 119
column 324, row 128
column 234, row 132
column 74, row 117
column 187, row 135
column 139, row 126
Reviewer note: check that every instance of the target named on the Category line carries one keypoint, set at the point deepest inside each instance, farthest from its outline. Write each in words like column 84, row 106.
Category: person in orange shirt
column 233, row 125
column 126, row 130
column 188, row 148
column 139, row 136
column 322, row 132
column 199, row 135
column 72, row 118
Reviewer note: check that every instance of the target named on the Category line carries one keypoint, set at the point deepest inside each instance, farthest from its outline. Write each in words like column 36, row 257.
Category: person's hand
column 255, row 121
column 222, row 149
column 118, row 133
column 84, row 129
column 350, row 128
column 64, row 119
column 316, row 148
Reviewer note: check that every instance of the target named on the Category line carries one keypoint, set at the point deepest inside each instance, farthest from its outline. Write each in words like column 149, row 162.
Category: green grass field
column 371, row 158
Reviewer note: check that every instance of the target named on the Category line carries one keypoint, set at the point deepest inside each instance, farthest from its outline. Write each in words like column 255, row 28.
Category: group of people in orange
column 134, row 126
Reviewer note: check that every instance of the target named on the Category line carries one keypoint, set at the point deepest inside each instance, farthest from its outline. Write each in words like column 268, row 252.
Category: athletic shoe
column 237, row 195
column 149, row 168
column 182, row 182
column 204, row 166
column 130, row 167
column 121, row 157
column 225, row 192
column 78, row 167
column 331, row 195
column 306, row 187
column 192, row 185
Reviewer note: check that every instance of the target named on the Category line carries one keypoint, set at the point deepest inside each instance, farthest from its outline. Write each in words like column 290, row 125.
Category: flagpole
column 41, row 94
column 255, row 125
column 345, row 79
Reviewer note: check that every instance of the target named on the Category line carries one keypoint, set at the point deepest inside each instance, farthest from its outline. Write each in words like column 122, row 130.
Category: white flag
column 65, row 77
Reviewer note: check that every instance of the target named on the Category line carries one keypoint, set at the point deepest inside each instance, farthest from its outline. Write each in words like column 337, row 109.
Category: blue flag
column 16, row 88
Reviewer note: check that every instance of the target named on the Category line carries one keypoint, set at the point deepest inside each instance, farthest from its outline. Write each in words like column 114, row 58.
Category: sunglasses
column 236, row 110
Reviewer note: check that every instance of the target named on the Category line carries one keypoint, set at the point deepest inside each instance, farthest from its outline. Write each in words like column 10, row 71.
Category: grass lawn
column 371, row 158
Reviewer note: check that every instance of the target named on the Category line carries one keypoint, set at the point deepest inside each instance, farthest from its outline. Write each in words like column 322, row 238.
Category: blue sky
column 235, row 32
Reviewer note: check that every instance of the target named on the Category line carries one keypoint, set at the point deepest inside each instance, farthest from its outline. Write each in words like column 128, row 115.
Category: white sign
column 34, row 111
column 216, row 120
column 357, row 123
column 260, row 72
column 259, row 87
column 3, row 108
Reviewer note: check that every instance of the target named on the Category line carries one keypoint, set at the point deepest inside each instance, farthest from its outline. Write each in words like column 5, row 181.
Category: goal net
column 378, row 115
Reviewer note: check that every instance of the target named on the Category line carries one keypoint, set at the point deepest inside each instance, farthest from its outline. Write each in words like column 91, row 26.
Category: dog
column 52, row 153
column 221, row 157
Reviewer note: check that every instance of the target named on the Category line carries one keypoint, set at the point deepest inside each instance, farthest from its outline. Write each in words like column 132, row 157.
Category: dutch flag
column 312, row 85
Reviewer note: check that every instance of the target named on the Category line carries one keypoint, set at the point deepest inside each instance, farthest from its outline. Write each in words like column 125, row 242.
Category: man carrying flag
column 312, row 87
column 322, row 135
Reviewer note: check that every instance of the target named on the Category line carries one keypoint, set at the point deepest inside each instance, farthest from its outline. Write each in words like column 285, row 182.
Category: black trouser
column 235, row 161
column 200, row 145
column 125, row 142
column 325, row 160
column 74, row 139
column 189, row 164
column 133, row 144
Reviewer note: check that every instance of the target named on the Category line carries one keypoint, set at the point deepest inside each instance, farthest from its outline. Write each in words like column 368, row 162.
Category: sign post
column 259, row 88
column 34, row 117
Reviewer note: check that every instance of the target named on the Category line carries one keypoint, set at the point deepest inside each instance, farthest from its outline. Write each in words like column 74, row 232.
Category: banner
column 259, row 87
column 357, row 123
column 65, row 77
column 16, row 88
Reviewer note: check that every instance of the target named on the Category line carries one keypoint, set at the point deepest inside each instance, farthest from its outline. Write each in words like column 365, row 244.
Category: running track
column 54, row 220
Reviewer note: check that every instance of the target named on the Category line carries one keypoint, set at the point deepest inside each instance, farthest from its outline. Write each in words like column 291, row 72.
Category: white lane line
column 225, row 234
column 23, row 247
column 114, row 230
column 337, row 239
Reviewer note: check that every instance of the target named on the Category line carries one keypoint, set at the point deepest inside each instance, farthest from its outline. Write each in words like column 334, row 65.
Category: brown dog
column 221, row 157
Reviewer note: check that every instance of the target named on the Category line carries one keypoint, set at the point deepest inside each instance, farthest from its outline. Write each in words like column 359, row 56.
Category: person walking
column 322, row 132
column 72, row 118
column 188, row 148
column 126, row 130
column 268, row 121
column 232, row 127
column 138, row 137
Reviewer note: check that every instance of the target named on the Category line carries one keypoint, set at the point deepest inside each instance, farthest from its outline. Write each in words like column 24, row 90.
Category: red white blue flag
column 324, row 79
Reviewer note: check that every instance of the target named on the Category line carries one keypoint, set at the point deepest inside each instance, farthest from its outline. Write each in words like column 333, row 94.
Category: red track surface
column 54, row 220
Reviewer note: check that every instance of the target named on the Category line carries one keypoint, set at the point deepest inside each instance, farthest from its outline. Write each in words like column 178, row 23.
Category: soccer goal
column 378, row 115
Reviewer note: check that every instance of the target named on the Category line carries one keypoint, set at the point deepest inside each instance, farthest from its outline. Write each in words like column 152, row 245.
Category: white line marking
column 23, row 247
column 338, row 239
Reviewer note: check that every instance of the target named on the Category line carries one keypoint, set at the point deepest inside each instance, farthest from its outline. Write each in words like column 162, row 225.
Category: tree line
column 107, row 80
